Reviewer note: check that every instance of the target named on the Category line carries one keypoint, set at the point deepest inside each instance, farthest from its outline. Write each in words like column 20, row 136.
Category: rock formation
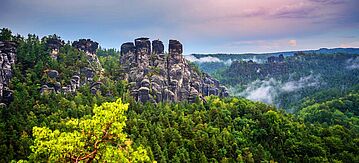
column 156, row 77
column 85, row 75
column 89, row 47
column 274, row 59
column 54, row 44
column 157, row 47
column 7, row 60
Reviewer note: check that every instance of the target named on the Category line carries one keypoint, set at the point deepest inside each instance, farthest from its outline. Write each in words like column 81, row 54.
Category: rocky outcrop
column 274, row 59
column 156, row 77
column 7, row 60
column 86, row 45
column 157, row 47
column 53, row 74
column 89, row 47
column 54, row 44
column 85, row 75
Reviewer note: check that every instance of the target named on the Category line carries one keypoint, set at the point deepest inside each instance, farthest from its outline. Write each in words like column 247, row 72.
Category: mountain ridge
column 318, row 51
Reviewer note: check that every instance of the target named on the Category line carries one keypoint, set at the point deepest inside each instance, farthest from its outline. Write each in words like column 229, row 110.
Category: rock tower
column 157, row 77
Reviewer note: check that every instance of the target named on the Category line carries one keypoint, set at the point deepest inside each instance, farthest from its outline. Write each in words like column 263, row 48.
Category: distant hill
column 287, row 53
column 210, row 63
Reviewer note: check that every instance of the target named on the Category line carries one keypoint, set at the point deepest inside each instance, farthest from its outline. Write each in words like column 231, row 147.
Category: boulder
column 54, row 43
column 57, row 87
column 96, row 84
column 8, row 96
column 143, row 46
column 128, row 47
column 157, row 47
column 46, row 89
column 76, row 78
column 156, row 87
column 134, row 93
column 145, row 83
column 86, row 45
column 193, row 95
column 95, row 87
column 144, row 94
column 175, row 47
column 128, row 55
column 53, row 74
column 213, row 91
column 168, row 95
column 88, row 72
column 75, row 82
column 66, row 90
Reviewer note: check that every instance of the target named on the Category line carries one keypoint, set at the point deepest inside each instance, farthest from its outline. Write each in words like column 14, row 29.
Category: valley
column 286, row 80
column 75, row 101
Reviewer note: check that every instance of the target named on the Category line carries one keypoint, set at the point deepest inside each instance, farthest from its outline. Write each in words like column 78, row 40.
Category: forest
column 291, row 84
column 110, row 126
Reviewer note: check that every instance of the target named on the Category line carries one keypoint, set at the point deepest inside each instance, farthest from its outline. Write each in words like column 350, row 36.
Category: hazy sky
column 203, row 26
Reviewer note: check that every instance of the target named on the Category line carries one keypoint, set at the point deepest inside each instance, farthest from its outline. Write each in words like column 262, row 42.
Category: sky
column 203, row 26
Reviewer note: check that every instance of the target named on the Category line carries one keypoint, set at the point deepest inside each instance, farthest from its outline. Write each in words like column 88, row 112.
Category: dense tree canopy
column 83, row 126
column 99, row 137
column 296, row 79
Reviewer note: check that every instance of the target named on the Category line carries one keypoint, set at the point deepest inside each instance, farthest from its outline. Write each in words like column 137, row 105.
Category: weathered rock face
column 53, row 74
column 54, row 45
column 89, row 47
column 86, row 45
column 128, row 47
column 175, row 47
column 85, row 75
column 155, row 77
column 7, row 59
column 157, row 47
column 143, row 46
column 274, row 59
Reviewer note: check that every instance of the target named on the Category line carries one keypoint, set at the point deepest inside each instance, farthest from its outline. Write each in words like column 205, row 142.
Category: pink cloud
column 354, row 44
column 295, row 10
column 292, row 42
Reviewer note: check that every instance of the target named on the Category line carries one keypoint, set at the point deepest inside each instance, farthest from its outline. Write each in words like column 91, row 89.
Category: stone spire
column 155, row 77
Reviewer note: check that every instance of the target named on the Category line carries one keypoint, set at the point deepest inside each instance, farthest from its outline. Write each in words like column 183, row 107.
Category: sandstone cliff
column 155, row 76
column 7, row 60
column 84, row 75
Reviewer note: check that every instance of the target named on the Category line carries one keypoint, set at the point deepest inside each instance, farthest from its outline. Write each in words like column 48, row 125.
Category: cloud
column 329, row 1
column 354, row 44
column 255, row 59
column 268, row 90
column 264, row 91
column 208, row 59
column 192, row 58
column 263, row 46
column 295, row 10
column 292, row 42
column 307, row 81
column 202, row 24
column 253, row 12
column 352, row 63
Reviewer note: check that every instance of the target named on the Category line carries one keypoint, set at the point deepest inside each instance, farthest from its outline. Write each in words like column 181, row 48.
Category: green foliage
column 30, row 109
column 107, row 52
column 112, row 67
column 6, row 35
column 232, row 129
column 333, row 77
column 99, row 137
column 65, row 127
column 339, row 111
